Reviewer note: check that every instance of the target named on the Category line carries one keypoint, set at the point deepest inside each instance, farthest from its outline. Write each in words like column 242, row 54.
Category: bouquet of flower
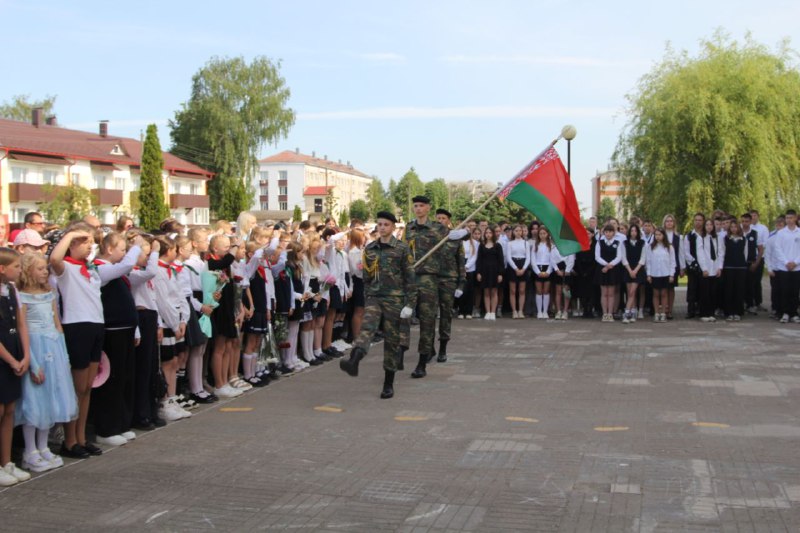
column 327, row 283
column 212, row 282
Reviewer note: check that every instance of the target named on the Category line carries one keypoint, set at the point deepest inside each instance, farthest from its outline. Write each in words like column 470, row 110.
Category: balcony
column 188, row 201
column 106, row 197
column 29, row 192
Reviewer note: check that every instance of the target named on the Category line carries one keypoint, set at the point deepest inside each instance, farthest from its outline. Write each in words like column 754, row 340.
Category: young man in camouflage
column 391, row 293
column 452, row 277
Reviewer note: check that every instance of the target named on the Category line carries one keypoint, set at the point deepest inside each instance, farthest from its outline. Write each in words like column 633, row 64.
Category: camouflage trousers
column 447, row 295
column 389, row 308
column 427, row 303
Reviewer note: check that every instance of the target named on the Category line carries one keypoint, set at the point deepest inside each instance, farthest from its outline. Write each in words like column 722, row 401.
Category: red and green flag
column 544, row 188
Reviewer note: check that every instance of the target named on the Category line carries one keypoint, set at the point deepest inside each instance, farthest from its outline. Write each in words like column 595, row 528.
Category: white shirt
column 704, row 246
column 787, row 248
column 642, row 258
column 769, row 252
column 599, row 258
column 517, row 249
column 80, row 297
column 172, row 305
column 681, row 257
column 687, row 249
column 763, row 231
column 196, row 267
column 142, row 287
column 354, row 259
column 556, row 258
column 541, row 256
column 659, row 263
column 471, row 254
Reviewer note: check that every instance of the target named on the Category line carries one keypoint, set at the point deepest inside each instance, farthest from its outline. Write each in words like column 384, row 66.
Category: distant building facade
column 607, row 184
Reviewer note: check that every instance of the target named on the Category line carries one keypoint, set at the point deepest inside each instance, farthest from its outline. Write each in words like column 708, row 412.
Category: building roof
column 18, row 136
column 289, row 156
column 317, row 191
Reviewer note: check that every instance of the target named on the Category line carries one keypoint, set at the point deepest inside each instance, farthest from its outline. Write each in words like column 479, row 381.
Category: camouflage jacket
column 421, row 239
column 388, row 272
column 453, row 264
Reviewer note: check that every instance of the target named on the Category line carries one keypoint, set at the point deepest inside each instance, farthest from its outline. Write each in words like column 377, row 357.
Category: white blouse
column 517, row 249
column 659, row 263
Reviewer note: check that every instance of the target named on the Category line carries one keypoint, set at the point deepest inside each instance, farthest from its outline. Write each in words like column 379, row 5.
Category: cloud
column 384, row 57
column 558, row 61
column 480, row 112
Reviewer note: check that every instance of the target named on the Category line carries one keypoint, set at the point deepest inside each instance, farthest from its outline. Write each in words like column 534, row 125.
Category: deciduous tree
column 20, row 107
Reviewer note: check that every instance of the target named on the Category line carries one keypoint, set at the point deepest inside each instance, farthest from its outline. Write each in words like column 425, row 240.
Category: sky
column 457, row 89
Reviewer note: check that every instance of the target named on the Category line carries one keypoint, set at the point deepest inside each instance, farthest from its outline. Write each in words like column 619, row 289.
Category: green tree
column 461, row 203
column 234, row 110
column 408, row 187
column 330, row 203
column 297, row 216
column 20, row 107
column 437, row 191
column 718, row 130
column 151, row 209
column 65, row 203
column 358, row 209
column 344, row 220
column 375, row 197
column 606, row 210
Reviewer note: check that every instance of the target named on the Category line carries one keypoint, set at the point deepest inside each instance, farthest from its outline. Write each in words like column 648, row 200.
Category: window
column 174, row 187
column 18, row 174
column 318, row 205
column 263, row 175
column 135, row 182
column 264, row 206
column 264, row 190
column 283, row 175
column 283, row 206
column 283, row 190
column 200, row 215
column 194, row 189
column 99, row 183
column 49, row 177
column 76, row 178
column 119, row 184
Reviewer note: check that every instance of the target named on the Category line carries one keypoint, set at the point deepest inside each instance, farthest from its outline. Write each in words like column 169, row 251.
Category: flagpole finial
column 569, row 132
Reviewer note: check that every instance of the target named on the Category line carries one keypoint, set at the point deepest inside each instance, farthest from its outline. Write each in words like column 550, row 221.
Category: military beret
column 386, row 215
column 444, row 212
column 421, row 199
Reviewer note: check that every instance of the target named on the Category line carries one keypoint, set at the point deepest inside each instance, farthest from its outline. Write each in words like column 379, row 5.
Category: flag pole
column 484, row 204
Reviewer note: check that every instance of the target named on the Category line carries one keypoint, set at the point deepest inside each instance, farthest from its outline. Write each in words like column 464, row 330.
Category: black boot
column 350, row 365
column 401, row 355
column 419, row 372
column 388, row 385
column 442, row 351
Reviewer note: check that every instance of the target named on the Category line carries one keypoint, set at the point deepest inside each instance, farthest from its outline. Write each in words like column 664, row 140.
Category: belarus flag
column 544, row 188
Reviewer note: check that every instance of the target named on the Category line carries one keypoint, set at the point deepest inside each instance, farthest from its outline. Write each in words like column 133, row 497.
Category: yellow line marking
column 328, row 409
column 410, row 418
column 521, row 419
column 710, row 425
column 235, row 409
column 611, row 428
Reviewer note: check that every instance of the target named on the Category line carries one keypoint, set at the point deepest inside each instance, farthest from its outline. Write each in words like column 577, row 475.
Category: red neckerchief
column 177, row 268
column 84, row 268
column 162, row 264
column 215, row 257
column 262, row 272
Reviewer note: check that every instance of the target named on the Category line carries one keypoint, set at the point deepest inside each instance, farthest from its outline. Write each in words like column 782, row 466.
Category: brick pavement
column 576, row 426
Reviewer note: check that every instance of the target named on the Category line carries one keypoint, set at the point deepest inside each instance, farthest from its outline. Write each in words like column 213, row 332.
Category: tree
column 152, row 209
column 297, row 216
column 437, row 191
column 65, row 203
column 461, row 203
column 20, row 108
column 408, row 187
column 375, row 197
column 718, row 130
column 330, row 202
column 606, row 210
column 344, row 220
column 234, row 110
column 359, row 210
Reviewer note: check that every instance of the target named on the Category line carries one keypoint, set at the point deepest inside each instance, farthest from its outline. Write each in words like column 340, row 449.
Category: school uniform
column 194, row 335
column 752, row 293
column 710, row 261
column 755, row 277
column 565, row 264
column 633, row 256
column 258, row 280
column 517, row 257
column 541, row 261
column 490, row 264
column 223, row 319
column 675, row 240
column 172, row 308
column 769, row 264
column 81, row 313
column 10, row 383
column 787, row 250
column 470, row 260
column 736, row 252
column 608, row 252
column 146, row 359
column 691, row 245
column 659, row 265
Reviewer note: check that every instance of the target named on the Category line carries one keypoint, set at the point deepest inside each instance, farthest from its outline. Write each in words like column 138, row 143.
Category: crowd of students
column 126, row 329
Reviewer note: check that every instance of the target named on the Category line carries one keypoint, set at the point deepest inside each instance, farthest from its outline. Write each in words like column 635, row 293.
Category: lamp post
column 569, row 132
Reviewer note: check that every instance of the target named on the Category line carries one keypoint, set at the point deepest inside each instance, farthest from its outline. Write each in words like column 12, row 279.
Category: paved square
column 530, row 426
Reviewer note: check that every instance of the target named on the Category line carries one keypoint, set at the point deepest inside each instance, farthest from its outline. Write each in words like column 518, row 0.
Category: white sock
column 41, row 438
column 29, row 434
column 317, row 352
column 308, row 345
column 294, row 330
column 248, row 365
column 194, row 368
column 538, row 303
column 545, row 302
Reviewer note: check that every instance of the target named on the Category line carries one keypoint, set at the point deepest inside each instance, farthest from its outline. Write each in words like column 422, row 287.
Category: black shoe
column 388, row 385
column 401, row 355
column 263, row 381
column 76, row 452
column 350, row 365
column 420, row 372
column 144, row 425
column 92, row 449
column 316, row 362
column 690, row 316
column 159, row 422
column 442, row 358
column 285, row 370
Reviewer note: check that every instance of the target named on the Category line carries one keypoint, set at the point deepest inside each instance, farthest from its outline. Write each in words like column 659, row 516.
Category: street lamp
column 569, row 132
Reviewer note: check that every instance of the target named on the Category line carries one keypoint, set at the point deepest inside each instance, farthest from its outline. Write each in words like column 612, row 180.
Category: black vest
column 8, row 324
column 608, row 251
column 734, row 253
column 752, row 245
column 119, row 308
column 693, row 245
column 634, row 252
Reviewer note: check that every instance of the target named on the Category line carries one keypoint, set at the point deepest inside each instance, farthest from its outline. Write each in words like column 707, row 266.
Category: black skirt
column 542, row 268
column 612, row 277
column 358, row 299
column 641, row 276
column 661, row 283
column 335, row 298
column 511, row 273
column 256, row 324
column 194, row 335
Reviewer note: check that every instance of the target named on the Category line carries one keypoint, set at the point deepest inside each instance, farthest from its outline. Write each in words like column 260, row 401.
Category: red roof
column 17, row 136
column 289, row 156
column 317, row 191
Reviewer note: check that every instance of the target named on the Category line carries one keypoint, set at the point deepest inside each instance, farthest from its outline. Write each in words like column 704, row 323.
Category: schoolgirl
column 84, row 327
column 490, row 266
column 470, row 302
column 15, row 359
column 243, row 310
column 336, row 261
column 358, row 300
column 48, row 395
column 145, row 408
column 736, row 255
column 563, row 267
column 293, row 271
column 256, row 324
column 608, row 255
column 660, row 267
column 174, row 312
column 542, row 266
column 584, row 279
column 314, row 273
column 710, row 262
column 633, row 260
column 112, row 402
column 518, row 259
column 692, row 247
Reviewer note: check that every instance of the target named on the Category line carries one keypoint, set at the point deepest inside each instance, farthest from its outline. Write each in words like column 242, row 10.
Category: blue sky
column 459, row 90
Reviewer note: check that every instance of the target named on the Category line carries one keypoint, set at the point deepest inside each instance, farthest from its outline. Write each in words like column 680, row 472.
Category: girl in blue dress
column 48, row 394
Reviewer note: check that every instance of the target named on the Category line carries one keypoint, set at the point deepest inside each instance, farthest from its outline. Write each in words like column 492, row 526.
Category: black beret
column 421, row 199
column 386, row 215
column 444, row 212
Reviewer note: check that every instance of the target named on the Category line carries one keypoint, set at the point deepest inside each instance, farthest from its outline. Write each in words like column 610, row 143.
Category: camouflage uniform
column 452, row 276
column 421, row 238
column 389, row 286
